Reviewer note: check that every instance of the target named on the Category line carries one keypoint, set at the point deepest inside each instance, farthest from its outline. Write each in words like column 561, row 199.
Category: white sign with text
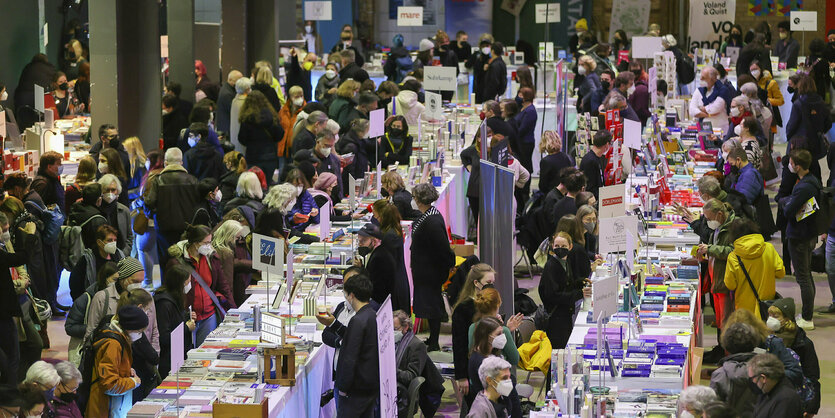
column 409, row 16
column 440, row 78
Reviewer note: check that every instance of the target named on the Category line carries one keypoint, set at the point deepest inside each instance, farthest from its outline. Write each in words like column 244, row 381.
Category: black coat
column 381, row 270
column 462, row 318
column 805, row 349
column 10, row 306
column 145, row 360
column 79, row 213
column 560, row 290
column 415, row 362
column 362, row 148
column 591, row 166
column 470, row 157
column 303, row 140
column 549, row 170
column 224, row 107
column 170, row 314
column 203, row 161
column 228, row 185
column 566, row 206
column 400, row 292
column 172, row 124
column 260, row 138
column 353, row 71
column 431, row 261
column 495, row 81
column 476, row 64
column 358, row 367
column 394, row 151
column 402, row 200
column 272, row 96
column 49, row 188
column 298, row 76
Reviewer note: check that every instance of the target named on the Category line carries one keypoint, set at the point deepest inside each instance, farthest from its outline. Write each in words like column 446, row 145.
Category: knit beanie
column 324, row 181
column 129, row 266
column 131, row 318
column 786, row 306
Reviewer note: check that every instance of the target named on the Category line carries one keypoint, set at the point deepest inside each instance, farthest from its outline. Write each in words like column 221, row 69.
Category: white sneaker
column 806, row 325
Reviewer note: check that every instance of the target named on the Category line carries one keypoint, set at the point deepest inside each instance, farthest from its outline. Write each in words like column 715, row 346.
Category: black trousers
column 11, row 351
column 352, row 406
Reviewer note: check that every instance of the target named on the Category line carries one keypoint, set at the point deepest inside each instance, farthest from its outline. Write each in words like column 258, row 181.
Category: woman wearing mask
column 113, row 378
column 85, row 272
column 207, row 210
column 561, row 290
column 61, row 96
column 587, row 217
column 750, row 133
column 310, row 35
column 224, row 240
column 76, row 323
column 620, row 42
column 172, row 310
column 305, row 211
column 111, row 163
column 357, row 142
column 45, row 376
column 733, row 40
column 586, row 66
column 321, row 191
column 86, row 174
column 137, row 169
column 525, row 79
column 287, row 118
column 781, row 322
column 64, row 403
column 235, row 165
column 491, row 338
column 397, row 144
column 775, row 98
column 117, row 214
column 481, row 276
column 145, row 358
column 211, row 293
column 570, row 225
column 327, row 85
column 260, row 131
column 388, row 218
column 395, row 190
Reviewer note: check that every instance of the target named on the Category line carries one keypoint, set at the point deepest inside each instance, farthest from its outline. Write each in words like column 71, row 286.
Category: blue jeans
column 204, row 327
column 145, row 250
column 830, row 264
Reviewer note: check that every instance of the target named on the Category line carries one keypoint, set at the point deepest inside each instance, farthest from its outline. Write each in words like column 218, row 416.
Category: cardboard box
column 463, row 250
column 242, row 410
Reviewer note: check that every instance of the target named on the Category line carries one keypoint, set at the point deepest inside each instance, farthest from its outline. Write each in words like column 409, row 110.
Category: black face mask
column 68, row 397
column 790, row 90
column 364, row 251
column 606, row 85
column 488, row 286
column 396, row 133
column 384, row 192
column 64, row 86
column 754, row 388
column 561, row 252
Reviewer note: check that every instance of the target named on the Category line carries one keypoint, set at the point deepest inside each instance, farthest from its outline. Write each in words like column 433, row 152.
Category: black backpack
column 825, row 210
column 685, row 70
column 88, row 363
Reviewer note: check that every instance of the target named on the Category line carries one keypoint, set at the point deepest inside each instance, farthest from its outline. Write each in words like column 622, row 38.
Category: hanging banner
column 631, row 16
column 513, row 7
column 388, row 366
column 773, row 7
column 710, row 23
column 473, row 17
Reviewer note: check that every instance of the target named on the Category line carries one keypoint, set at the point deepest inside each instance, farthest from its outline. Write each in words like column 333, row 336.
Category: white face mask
column 330, row 74
column 714, row 225
column 773, row 323
column 289, row 206
column 735, row 112
column 134, row 286
column 108, row 197
column 326, row 152
column 6, row 236
column 205, row 250
column 738, row 130
column 499, row 341
column 308, row 29
column 630, row 90
column 504, row 387
column 103, row 168
column 702, row 83
column 685, row 414
column 135, row 335
column 486, row 50
column 725, row 156
column 218, row 196
column 192, row 141
column 187, row 287
column 4, row 96
column 148, row 165
column 299, row 190
column 792, row 168
column 298, row 101
column 398, row 335
column 110, row 247
column 581, row 70
column 756, row 73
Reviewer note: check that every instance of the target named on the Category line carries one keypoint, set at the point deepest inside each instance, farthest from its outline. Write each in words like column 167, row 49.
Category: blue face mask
column 49, row 394
column 192, row 141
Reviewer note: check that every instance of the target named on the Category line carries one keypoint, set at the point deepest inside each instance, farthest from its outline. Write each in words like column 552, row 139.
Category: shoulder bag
column 762, row 304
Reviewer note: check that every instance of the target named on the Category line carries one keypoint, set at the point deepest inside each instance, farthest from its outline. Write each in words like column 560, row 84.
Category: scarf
column 717, row 91
column 400, row 348
column 429, row 212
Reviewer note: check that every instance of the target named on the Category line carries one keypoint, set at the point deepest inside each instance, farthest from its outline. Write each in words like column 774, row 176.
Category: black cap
column 371, row 230
column 306, row 155
column 498, row 126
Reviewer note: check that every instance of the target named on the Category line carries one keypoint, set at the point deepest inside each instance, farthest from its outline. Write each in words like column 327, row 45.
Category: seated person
column 412, row 361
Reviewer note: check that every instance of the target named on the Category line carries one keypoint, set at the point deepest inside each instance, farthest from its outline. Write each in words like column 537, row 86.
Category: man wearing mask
column 48, row 181
column 366, row 103
column 329, row 161
column 109, row 138
column 461, row 47
column 298, row 71
column 379, row 262
column 476, row 65
column 593, row 162
column 750, row 181
column 786, row 48
column 351, row 67
column 495, row 79
column 607, row 78
column 830, row 48
column 306, row 138
column 412, row 361
column 357, row 370
column 202, row 160
column 708, row 102
column 86, row 270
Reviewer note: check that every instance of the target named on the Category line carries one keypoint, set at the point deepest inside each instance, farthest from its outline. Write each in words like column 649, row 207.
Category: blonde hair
column 715, row 206
column 564, row 235
column 587, row 59
column 278, row 196
column 392, row 180
column 551, row 142
column 86, row 170
column 477, row 272
column 264, row 75
column 134, row 148
column 787, row 323
column 296, row 90
column 584, row 210
column 347, row 88
column 236, row 160
column 249, row 186
column 742, row 315
column 226, row 233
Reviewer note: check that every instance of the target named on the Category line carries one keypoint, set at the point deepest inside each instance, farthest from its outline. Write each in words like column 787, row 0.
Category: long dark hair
column 253, row 105
column 176, row 277
column 114, row 164
column 108, row 269
column 481, row 336
column 271, row 223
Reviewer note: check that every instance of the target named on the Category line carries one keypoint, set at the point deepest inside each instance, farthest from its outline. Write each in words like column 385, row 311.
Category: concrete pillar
column 181, row 46
column 287, row 28
column 262, row 31
column 233, row 49
column 104, row 70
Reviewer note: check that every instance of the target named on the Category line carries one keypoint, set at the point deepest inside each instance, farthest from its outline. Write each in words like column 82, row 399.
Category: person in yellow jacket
column 766, row 82
column 760, row 260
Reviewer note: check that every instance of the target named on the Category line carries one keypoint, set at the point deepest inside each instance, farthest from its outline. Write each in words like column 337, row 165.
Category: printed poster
column 773, row 7
column 631, row 16
column 710, row 23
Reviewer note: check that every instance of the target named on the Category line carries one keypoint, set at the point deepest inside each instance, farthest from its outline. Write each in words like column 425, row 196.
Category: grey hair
column 730, row 144
column 348, row 55
column 709, row 186
column 715, row 206
column 615, row 100
column 767, row 364
column 712, row 72
column 173, row 155
column 243, row 85
column 749, row 89
column 741, row 100
column 316, row 117
column 108, row 179
column 359, row 125
column 43, row 373
column 492, row 366
column 226, row 233
column 696, row 398
column 405, row 320
column 249, row 186
column 68, row 372
column 425, row 193
column 333, row 127
column 279, row 195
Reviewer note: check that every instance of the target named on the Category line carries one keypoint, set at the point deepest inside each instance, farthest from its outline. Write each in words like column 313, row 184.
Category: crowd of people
column 249, row 155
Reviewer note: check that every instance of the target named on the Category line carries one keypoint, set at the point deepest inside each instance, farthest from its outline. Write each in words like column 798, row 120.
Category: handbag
column 763, row 305
column 140, row 222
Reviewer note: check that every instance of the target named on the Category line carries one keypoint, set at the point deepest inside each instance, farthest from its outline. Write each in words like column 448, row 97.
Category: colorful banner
column 773, row 7
column 710, row 23
column 473, row 17
column 632, row 16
